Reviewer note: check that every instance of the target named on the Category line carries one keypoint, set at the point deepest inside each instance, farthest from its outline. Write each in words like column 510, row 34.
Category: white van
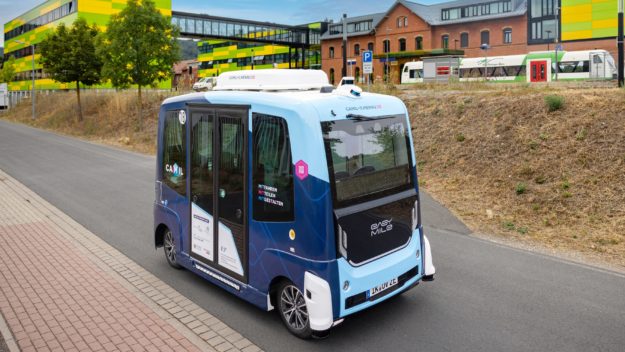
column 203, row 84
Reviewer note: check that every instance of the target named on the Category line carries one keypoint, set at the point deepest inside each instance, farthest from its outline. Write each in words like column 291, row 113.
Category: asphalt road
column 486, row 297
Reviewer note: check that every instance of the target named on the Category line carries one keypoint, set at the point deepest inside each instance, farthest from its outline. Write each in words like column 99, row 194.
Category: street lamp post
column 387, row 67
column 548, row 38
column 619, row 41
column 344, row 48
column 485, row 47
column 33, row 96
column 252, row 59
column 557, row 39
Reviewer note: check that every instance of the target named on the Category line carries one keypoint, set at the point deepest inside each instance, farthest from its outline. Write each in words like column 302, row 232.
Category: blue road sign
column 367, row 56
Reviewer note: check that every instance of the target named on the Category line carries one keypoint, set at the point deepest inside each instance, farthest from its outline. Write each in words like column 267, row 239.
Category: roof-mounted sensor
column 272, row 80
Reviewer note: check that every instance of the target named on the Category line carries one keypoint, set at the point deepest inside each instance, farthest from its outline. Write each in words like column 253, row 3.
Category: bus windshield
column 367, row 157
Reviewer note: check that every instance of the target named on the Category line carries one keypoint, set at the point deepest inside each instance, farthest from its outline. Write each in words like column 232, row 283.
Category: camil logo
column 175, row 170
column 381, row 227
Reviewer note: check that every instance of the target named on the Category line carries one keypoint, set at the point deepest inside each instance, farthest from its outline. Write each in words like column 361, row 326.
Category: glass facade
column 487, row 8
column 50, row 16
column 541, row 21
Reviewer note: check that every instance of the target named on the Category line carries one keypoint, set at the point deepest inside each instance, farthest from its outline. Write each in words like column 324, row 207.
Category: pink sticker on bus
column 301, row 169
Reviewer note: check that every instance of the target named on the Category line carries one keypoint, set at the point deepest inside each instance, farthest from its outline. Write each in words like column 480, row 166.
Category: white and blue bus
column 291, row 195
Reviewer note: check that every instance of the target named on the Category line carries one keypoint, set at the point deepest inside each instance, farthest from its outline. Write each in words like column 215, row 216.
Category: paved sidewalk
column 64, row 289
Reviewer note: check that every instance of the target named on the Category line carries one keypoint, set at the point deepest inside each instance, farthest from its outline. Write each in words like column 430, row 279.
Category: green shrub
column 460, row 137
column 521, row 188
column 509, row 225
column 554, row 102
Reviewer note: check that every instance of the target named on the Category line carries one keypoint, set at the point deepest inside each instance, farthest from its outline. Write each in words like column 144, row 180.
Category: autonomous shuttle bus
column 291, row 194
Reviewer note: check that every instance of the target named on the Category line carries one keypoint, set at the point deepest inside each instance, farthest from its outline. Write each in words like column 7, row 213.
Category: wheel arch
column 159, row 235
column 274, row 285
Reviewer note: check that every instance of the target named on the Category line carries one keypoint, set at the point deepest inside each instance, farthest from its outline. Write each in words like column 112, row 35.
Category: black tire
column 293, row 311
column 169, row 246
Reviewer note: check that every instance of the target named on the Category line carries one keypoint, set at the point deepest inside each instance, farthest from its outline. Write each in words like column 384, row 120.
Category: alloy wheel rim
column 170, row 247
column 294, row 307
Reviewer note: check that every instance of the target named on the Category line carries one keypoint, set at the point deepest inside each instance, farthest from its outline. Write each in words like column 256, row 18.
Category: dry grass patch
column 510, row 164
column 110, row 117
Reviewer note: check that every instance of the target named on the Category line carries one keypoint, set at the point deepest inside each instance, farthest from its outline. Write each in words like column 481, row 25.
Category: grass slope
column 507, row 165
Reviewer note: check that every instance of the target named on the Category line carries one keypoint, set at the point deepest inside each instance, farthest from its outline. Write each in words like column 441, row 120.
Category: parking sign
column 367, row 61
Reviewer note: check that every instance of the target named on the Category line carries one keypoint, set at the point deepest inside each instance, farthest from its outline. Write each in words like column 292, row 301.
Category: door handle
column 238, row 213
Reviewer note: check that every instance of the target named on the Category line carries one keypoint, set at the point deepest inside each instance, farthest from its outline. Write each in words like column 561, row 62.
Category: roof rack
column 272, row 80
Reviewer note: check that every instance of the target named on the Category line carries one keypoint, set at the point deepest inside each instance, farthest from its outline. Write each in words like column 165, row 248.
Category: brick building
column 408, row 31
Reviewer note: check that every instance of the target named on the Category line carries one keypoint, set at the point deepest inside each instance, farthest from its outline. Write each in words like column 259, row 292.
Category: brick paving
column 64, row 289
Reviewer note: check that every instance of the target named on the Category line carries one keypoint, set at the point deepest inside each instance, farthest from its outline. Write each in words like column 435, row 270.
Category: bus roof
column 312, row 104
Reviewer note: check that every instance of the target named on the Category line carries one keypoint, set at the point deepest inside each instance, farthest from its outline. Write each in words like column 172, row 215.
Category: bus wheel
column 170, row 249
column 293, row 311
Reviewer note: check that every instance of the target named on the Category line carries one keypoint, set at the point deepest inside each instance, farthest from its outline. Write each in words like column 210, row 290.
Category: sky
column 277, row 11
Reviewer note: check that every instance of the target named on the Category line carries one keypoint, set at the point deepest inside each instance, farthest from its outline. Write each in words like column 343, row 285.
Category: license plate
column 381, row 288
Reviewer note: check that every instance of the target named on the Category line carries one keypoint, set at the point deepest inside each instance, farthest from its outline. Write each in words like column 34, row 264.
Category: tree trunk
column 79, row 105
column 140, row 110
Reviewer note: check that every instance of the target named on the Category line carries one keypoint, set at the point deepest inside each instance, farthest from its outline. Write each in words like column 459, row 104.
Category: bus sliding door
column 218, row 163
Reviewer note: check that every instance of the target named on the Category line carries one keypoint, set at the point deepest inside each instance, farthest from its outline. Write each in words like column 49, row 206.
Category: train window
column 567, row 67
column 583, row 66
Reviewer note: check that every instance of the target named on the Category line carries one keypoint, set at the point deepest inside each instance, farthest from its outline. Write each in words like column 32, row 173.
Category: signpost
column 351, row 63
column 558, row 48
column 367, row 64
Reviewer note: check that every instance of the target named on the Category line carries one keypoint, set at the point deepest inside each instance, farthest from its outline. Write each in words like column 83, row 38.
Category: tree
column 69, row 55
column 7, row 72
column 139, row 47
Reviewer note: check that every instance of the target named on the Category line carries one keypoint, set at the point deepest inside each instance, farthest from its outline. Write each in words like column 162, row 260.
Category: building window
column 485, row 37
column 507, row 36
column 489, row 8
column 331, row 52
column 464, row 40
column 331, row 76
column 356, row 49
column 402, row 21
column 541, row 21
column 445, row 41
column 419, row 43
column 387, row 45
column 370, row 46
column 402, row 44
column 336, row 29
column 272, row 168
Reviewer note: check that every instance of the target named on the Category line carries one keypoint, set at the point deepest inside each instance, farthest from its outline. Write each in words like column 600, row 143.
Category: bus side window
column 174, row 166
column 272, row 169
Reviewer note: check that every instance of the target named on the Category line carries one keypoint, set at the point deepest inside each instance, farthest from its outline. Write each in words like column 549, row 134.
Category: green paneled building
column 33, row 26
